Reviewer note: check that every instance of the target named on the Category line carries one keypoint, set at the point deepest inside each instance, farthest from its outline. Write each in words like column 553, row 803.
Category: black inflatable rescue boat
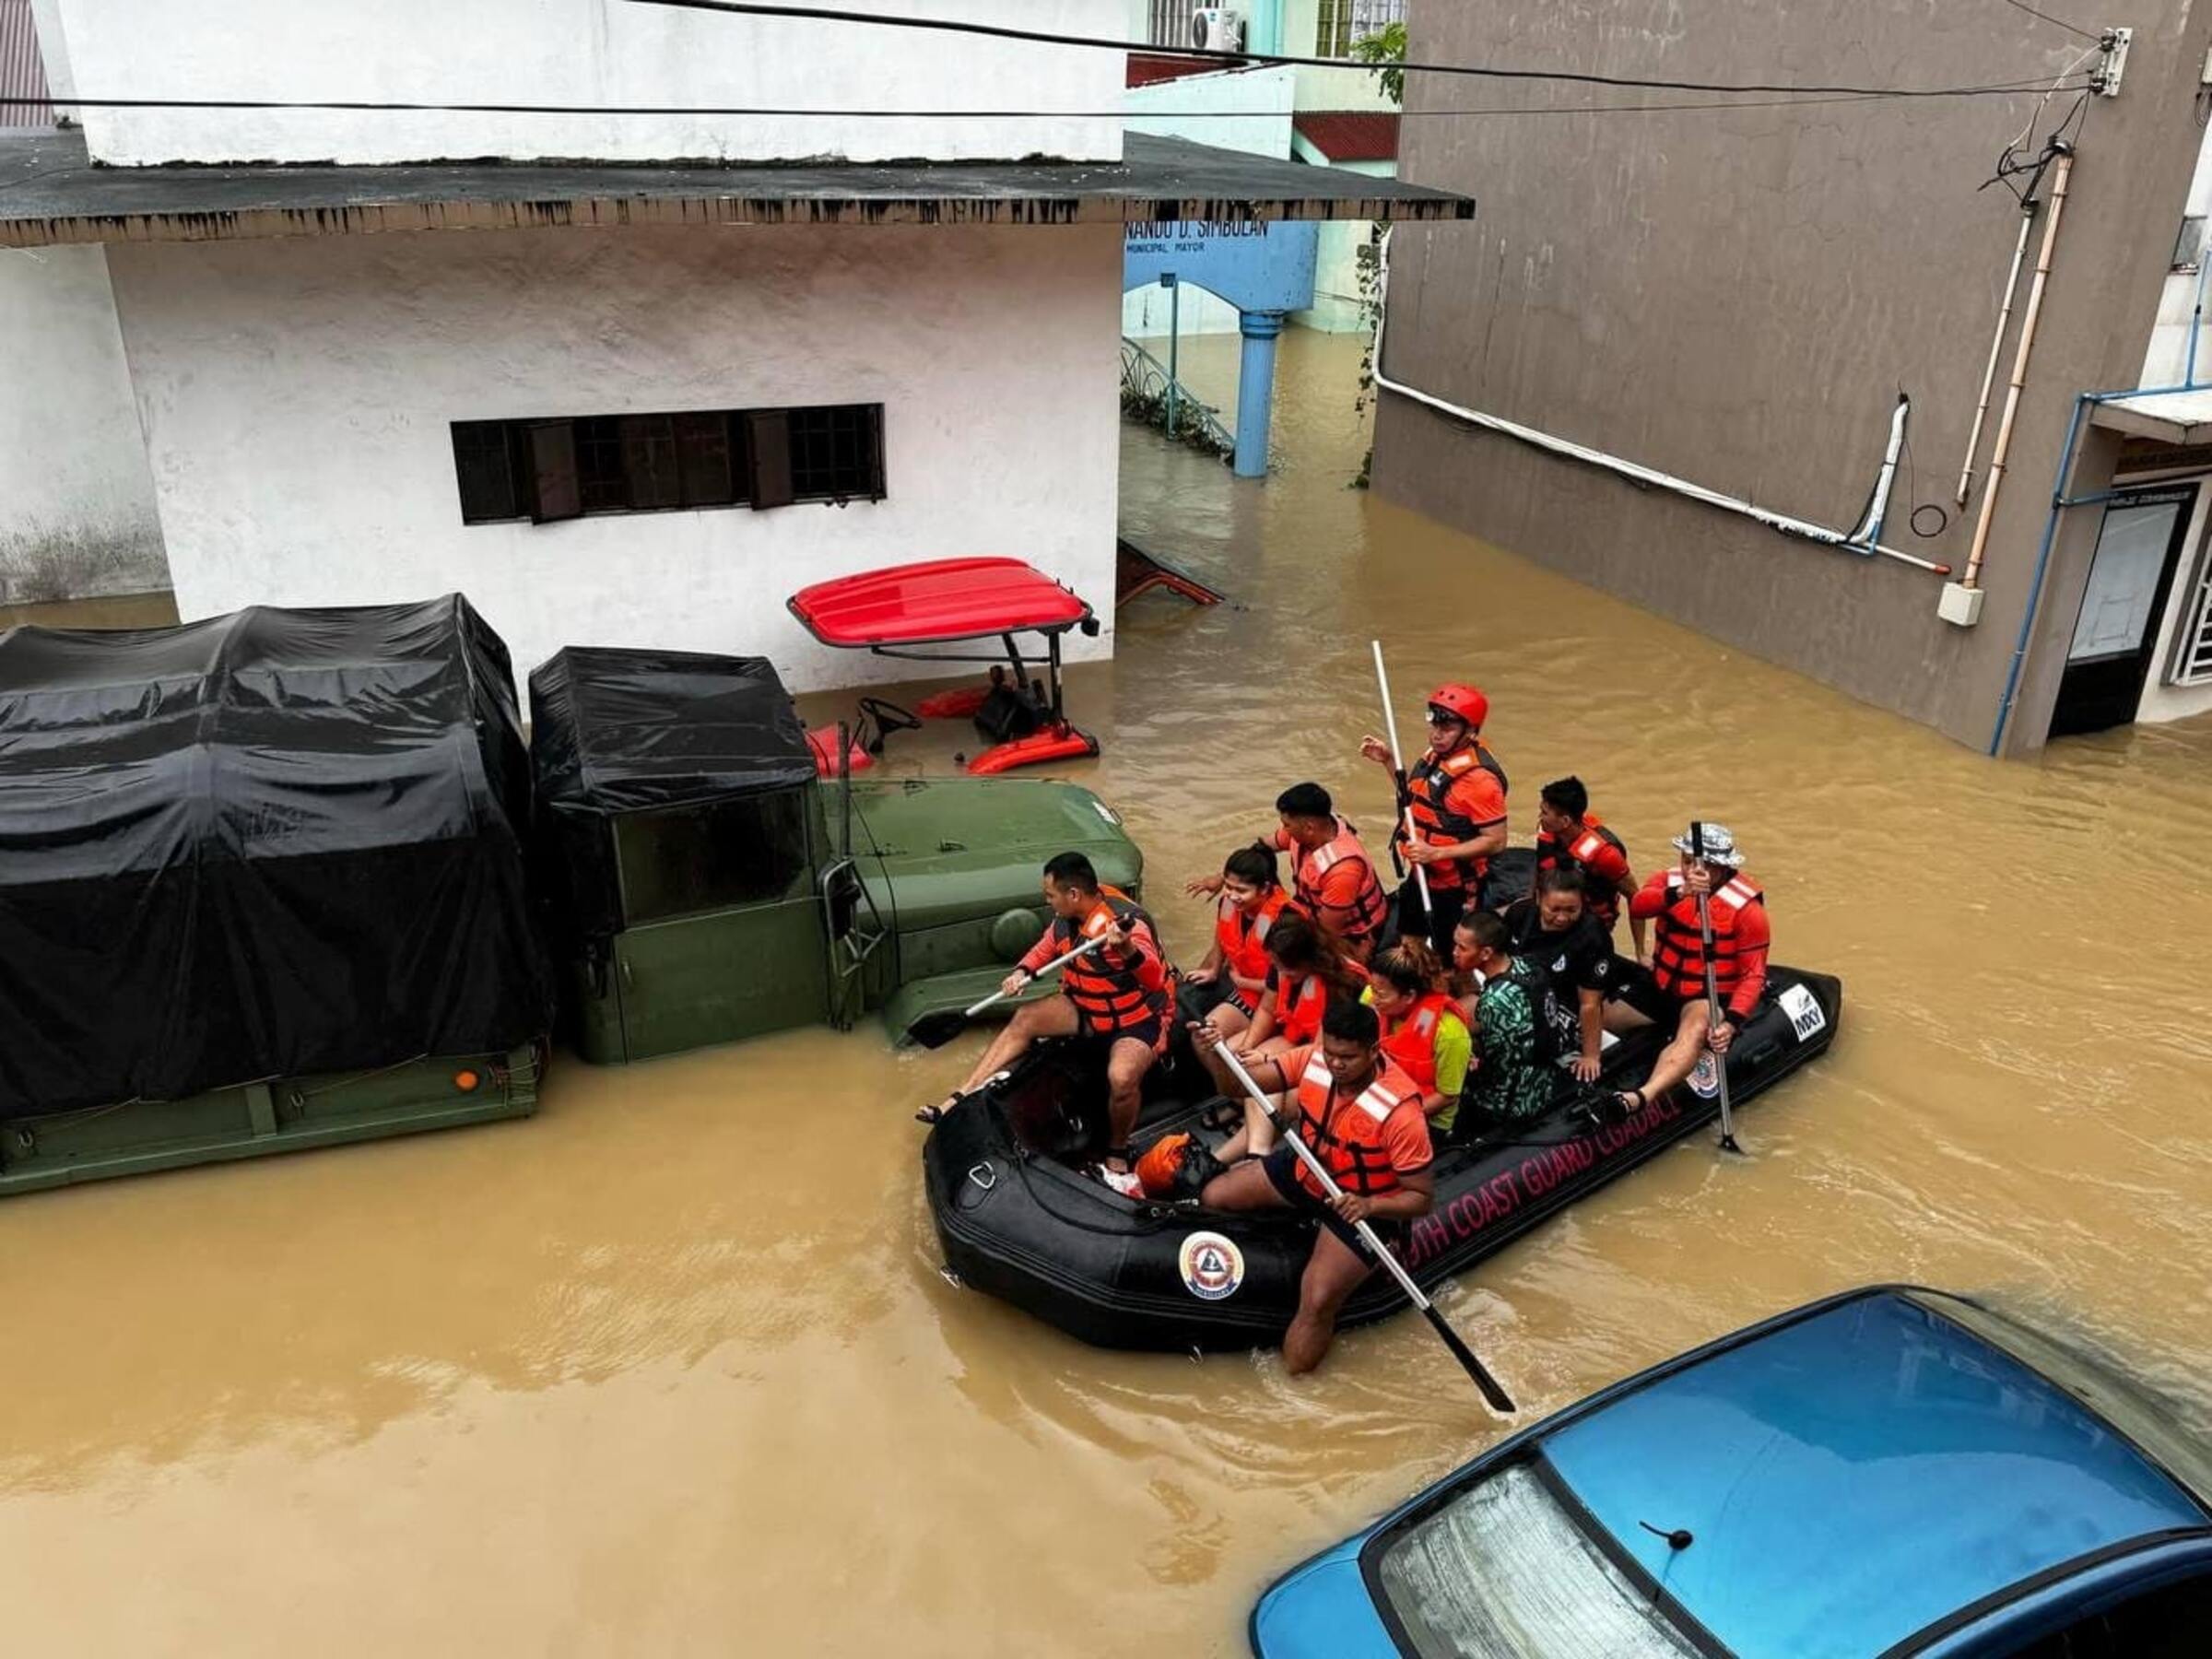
column 1017, row 1217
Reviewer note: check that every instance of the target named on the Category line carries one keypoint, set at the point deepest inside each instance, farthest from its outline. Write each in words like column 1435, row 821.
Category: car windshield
column 1503, row 1572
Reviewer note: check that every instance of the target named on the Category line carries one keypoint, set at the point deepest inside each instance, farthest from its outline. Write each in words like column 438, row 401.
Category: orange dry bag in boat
column 1161, row 1163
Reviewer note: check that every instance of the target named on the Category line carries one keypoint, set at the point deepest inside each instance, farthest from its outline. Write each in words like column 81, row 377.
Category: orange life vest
column 1601, row 897
column 1428, row 788
column 1346, row 1134
column 1298, row 1004
column 1109, row 998
column 1410, row 1041
column 1372, row 903
column 1679, row 949
column 1243, row 936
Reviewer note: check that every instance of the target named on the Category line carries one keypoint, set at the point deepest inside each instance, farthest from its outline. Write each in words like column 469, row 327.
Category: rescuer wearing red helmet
column 1456, row 795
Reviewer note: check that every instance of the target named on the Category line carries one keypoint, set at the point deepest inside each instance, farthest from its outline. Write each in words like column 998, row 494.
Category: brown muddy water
column 669, row 1369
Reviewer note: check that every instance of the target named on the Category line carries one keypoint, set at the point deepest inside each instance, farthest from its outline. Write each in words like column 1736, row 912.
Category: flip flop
column 935, row 1114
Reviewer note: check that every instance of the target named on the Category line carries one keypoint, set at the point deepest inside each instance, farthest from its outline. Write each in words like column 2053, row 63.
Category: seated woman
column 1307, row 971
column 1423, row 1030
column 1225, row 990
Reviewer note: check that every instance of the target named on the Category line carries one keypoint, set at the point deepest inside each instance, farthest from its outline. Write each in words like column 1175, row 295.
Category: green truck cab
column 705, row 884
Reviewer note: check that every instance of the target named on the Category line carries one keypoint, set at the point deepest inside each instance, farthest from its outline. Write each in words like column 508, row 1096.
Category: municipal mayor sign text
column 1159, row 236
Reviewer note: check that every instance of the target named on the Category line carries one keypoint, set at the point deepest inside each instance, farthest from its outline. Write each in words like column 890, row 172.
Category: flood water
column 669, row 1369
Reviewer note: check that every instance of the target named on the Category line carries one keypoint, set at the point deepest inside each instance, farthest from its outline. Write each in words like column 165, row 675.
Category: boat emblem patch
column 1807, row 1017
column 1212, row 1266
column 1705, row 1076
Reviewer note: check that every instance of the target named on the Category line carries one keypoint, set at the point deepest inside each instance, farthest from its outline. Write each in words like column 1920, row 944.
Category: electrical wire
column 2085, row 34
column 761, row 8
column 382, row 106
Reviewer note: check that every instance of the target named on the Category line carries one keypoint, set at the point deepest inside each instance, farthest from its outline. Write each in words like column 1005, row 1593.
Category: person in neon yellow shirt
column 1423, row 1030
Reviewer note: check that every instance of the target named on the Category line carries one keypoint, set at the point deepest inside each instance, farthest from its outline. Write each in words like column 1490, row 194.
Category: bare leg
column 1126, row 1063
column 1054, row 1017
column 1679, row 1057
column 1246, row 1187
column 1333, row 1272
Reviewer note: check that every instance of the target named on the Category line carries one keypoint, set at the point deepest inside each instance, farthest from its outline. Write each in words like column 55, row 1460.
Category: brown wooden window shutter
column 768, row 449
column 554, row 491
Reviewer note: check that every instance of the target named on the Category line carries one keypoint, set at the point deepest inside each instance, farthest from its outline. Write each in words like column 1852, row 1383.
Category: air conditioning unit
column 1218, row 29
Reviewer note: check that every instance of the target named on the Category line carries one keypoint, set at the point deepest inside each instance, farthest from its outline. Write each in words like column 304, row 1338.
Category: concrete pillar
column 1256, row 390
column 1263, row 28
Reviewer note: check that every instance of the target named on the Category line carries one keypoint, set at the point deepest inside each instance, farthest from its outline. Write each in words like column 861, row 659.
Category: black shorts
column 1637, row 989
column 1194, row 999
column 1446, row 905
column 1151, row 1031
column 1281, row 1165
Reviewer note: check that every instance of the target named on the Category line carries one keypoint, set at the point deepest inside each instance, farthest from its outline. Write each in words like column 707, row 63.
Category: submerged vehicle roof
column 1857, row 1475
column 1837, row 1481
column 615, row 731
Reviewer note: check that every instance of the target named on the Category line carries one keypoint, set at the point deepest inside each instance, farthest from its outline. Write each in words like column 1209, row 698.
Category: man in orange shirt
column 1362, row 1117
column 1333, row 878
column 1456, row 792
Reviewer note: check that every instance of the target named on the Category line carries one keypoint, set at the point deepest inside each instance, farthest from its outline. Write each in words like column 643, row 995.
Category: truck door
column 723, row 935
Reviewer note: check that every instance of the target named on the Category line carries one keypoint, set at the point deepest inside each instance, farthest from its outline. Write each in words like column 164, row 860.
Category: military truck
column 704, row 883
column 263, row 886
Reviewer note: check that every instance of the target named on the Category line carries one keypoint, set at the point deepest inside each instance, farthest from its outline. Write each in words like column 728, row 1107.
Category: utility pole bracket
column 2105, row 78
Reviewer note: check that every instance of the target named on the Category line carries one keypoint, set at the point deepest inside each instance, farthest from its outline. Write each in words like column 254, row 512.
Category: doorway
column 2138, row 546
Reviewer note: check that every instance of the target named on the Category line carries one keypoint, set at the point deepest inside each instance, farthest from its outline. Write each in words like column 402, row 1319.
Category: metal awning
column 50, row 193
column 2170, row 417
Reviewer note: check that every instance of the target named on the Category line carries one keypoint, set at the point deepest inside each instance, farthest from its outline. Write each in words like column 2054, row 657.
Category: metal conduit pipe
column 2002, row 449
column 1996, row 344
column 1613, row 463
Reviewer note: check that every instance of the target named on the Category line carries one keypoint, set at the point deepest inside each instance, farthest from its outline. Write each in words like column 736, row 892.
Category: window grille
column 1343, row 23
column 1171, row 22
column 2193, row 645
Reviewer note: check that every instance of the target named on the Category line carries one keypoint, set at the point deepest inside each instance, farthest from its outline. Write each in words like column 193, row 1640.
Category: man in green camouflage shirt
column 1512, row 1079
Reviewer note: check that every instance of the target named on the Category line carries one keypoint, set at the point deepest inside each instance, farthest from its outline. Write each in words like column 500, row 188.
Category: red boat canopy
column 935, row 602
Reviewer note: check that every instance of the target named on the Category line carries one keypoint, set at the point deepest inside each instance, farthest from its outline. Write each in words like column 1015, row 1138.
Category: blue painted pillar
column 1265, row 30
column 1256, row 390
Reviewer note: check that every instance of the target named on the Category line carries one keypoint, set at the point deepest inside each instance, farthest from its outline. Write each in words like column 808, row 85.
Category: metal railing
column 1151, row 394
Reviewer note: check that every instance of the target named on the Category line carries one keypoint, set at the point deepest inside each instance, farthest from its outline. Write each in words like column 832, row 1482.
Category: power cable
column 375, row 106
column 760, row 8
column 2085, row 34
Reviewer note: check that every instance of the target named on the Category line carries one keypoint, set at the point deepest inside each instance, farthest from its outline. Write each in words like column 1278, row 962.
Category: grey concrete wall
column 1736, row 298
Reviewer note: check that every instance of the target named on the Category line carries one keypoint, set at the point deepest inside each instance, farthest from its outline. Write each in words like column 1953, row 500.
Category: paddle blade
column 936, row 1029
column 1492, row 1390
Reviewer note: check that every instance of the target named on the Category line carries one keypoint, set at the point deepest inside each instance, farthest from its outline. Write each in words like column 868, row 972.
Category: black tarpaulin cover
column 614, row 731
column 278, row 842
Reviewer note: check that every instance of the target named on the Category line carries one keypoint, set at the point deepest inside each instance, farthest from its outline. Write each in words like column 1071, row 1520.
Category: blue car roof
column 1852, row 1477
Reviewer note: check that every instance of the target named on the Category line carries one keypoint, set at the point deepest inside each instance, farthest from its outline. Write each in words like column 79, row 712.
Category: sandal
column 1631, row 1100
column 935, row 1114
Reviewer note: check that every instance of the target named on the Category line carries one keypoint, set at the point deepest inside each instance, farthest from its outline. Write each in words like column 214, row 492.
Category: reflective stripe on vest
column 1346, row 1136
column 1600, row 895
column 1109, row 998
column 1677, row 949
column 1372, row 904
column 1411, row 1042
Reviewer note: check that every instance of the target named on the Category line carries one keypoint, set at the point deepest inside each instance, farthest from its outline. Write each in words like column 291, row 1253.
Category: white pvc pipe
column 1877, row 505
column 1614, row 463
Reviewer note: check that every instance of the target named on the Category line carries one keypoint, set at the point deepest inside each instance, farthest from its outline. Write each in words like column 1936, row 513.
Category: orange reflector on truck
column 467, row 1081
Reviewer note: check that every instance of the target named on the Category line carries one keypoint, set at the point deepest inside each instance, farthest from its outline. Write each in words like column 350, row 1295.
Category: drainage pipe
column 1996, row 344
column 2003, row 447
column 1614, row 463
column 1869, row 533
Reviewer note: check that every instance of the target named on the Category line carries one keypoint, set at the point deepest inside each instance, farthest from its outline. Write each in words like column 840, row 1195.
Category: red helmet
column 1463, row 702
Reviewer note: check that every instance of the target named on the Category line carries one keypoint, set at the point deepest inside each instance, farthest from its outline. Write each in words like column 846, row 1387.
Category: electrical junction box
column 1960, row 605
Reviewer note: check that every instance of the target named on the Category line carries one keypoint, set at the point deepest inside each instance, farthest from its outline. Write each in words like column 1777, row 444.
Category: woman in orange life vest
column 1122, row 993
column 1360, row 1114
column 1670, row 992
column 1456, row 792
column 1308, row 970
column 1225, row 988
column 1423, row 1031
column 1570, row 836
column 1334, row 879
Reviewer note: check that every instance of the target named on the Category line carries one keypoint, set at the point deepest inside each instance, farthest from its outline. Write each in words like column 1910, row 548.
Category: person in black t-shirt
column 1574, row 952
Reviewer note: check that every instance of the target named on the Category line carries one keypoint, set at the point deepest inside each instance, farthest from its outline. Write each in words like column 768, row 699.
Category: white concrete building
column 615, row 400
